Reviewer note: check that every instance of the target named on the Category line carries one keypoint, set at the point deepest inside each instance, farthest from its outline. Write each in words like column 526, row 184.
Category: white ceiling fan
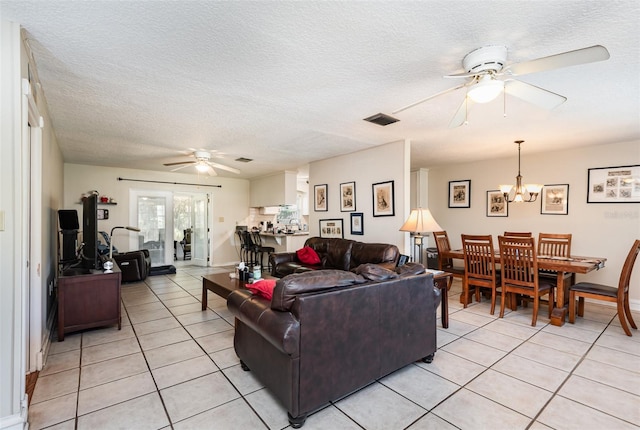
column 485, row 66
column 202, row 163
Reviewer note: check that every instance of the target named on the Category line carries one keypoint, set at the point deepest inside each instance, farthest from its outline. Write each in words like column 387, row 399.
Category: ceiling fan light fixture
column 202, row 167
column 486, row 90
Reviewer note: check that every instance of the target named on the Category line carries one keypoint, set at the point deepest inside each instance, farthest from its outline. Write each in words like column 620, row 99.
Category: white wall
column 383, row 163
column 599, row 230
column 230, row 204
column 17, row 304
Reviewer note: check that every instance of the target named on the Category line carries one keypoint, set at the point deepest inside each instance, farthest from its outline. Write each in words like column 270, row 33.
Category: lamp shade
column 419, row 221
column 486, row 89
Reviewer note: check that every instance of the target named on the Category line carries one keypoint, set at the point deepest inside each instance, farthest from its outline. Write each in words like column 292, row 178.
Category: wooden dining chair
column 519, row 273
column 446, row 263
column 555, row 245
column 619, row 295
column 479, row 267
column 518, row 234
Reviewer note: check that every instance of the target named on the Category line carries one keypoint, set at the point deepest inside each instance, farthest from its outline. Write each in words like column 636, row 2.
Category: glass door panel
column 200, row 241
column 152, row 209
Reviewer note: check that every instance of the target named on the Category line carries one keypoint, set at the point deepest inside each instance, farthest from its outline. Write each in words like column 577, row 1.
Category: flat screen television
column 89, row 253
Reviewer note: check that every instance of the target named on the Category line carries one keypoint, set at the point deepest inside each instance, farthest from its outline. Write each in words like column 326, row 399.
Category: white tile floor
column 173, row 366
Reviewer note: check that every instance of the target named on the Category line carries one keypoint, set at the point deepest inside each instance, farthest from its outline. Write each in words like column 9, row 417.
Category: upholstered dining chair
column 446, row 263
column 619, row 295
column 479, row 267
column 519, row 273
column 518, row 233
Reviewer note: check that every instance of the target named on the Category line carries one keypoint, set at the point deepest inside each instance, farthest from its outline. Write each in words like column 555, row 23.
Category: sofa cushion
column 263, row 288
column 334, row 253
column 375, row 272
column 287, row 288
column 307, row 255
column 378, row 253
column 410, row 269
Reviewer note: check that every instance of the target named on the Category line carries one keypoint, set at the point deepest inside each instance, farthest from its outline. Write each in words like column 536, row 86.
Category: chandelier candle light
column 420, row 221
column 531, row 191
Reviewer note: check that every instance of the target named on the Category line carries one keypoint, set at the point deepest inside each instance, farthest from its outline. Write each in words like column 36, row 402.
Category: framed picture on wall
column 497, row 205
column 460, row 194
column 383, row 199
column 614, row 184
column 320, row 198
column 331, row 228
column 357, row 226
column 348, row 197
column 555, row 199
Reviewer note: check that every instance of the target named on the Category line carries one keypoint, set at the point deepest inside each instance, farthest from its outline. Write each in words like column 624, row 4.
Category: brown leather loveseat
column 326, row 333
column 335, row 253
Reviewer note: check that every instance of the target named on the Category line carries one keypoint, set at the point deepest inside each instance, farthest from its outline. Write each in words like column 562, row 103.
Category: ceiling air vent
column 244, row 160
column 381, row 119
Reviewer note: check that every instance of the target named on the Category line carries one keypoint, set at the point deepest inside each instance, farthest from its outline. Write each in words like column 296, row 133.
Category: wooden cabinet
column 87, row 299
column 273, row 190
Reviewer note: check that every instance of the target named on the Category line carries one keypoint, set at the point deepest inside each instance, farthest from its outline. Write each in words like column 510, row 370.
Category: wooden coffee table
column 222, row 285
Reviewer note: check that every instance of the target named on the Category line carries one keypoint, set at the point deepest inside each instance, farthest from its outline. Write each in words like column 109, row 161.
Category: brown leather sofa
column 335, row 253
column 326, row 333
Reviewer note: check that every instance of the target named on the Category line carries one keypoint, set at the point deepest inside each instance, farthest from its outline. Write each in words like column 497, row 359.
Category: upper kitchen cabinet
column 274, row 190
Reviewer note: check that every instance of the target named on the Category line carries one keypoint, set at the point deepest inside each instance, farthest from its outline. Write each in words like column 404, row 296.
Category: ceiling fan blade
column 532, row 94
column 566, row 59
column 181, row 167
column 463, row 75
column 223, row 167
column 178, row 163
column 429, row 98
column 211, row 172
column 460, row 117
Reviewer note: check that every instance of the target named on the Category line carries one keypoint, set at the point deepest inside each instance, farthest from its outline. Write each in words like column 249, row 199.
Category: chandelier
column 523, row 193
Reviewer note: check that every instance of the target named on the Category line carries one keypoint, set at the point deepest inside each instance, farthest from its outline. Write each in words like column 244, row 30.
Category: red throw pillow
column 308, row 255
column 263, row 288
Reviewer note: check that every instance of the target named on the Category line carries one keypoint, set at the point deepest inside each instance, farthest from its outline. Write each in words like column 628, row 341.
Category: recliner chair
column 134, row 265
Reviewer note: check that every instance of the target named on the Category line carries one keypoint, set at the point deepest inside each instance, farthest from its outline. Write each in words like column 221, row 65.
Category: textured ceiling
column 138, row 83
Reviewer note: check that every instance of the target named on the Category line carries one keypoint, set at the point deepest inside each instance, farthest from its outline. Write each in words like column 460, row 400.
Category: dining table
column 560, row 265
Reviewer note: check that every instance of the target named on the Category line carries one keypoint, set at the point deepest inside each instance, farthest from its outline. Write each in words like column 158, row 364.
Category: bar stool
column 260, row 250
column 245, row 249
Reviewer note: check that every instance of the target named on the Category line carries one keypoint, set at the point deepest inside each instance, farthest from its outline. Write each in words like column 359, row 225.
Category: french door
column 162, row 218
column 192, row 211
column 151, row 213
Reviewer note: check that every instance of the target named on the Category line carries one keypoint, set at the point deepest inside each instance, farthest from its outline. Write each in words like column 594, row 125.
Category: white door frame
column 36, row 311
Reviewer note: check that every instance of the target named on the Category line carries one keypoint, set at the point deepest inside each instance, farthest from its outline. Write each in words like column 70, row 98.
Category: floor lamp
column 420, row 221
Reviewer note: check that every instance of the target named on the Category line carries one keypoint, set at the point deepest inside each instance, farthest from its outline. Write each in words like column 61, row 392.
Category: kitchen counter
column 297, row 233
column 283, row 242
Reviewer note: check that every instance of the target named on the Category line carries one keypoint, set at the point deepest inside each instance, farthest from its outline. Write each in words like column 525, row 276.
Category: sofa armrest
column 281, row 329
column 276, row 258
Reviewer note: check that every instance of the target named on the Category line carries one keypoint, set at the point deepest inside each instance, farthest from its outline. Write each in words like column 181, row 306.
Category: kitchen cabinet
column 273, row 190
